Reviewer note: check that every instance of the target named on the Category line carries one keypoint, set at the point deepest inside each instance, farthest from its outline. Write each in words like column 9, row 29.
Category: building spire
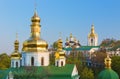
column 60, row 35
column 108, row 62
column 35, row 26
column 92, row 29
column 35, row 8
column 71, row 35
column 16, row 43
column 16, row 36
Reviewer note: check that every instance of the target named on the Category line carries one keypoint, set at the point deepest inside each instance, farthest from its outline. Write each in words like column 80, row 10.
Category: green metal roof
column 4, row 73
column 108, row 74
column 47, row 72
column 82, row 48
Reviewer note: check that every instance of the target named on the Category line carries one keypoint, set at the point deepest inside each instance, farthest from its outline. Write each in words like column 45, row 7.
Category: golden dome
column 108, row 62
column 59, row 43
column 92, row 33
column 16, row 42
column 35, row 18
column 15, row 55
column 59, row 53
column 35, row 45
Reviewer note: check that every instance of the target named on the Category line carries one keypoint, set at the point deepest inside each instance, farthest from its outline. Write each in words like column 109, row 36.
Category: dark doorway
column 42, row 61
column 61, row 63
column 16, row 64
column 32, row 61
column 57, row 63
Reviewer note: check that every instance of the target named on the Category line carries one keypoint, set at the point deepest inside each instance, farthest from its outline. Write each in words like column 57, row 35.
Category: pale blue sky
column 66, row 16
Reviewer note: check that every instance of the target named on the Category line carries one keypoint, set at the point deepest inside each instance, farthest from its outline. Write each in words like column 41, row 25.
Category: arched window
column 24, row 61
column 42, row 61
column 57, row 63
column 12, row 64
column 91, row 40
column 61, row 63
column 16, row 64
column 32, row 61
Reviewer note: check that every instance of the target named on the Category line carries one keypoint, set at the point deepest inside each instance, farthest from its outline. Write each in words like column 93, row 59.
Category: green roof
column 108, row 74
column 47, row 72
column 82, row 48
column 4, row 73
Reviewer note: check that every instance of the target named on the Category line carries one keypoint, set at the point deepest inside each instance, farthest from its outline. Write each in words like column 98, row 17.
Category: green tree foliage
column 116, row 64
column 75, row 57
column 98, row 57
column 87, row 74
column 55, row 45
column 4, row 61
column 108, row 42
column 52, row 58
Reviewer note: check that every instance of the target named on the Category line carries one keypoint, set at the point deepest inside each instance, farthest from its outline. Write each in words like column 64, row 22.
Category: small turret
column 60, row 59
column 15, row 56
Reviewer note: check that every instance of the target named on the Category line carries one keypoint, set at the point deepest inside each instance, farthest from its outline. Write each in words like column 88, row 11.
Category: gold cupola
column 16, row 54
column 108, row 62
column 35, row 43
column 59, row 53
column 92, row 33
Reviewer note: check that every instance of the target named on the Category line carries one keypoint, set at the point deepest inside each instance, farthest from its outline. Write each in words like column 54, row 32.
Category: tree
column 107, row 42
column 55, row 45
column 4, row 61
column 87, row 74
column 98, row 58
column 116, row 64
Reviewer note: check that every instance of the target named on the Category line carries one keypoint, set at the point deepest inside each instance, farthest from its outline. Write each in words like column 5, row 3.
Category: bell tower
column 92, row 37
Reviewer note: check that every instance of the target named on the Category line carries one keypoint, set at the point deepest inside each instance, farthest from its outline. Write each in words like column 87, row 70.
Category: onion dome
column 16, row 54
column 35, row 43
column 59, row 43
column 92, row 33
column 59, row 53
column 35, row 18
column 108, row 73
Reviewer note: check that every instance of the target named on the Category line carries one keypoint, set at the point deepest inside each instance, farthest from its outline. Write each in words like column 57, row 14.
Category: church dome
column 92, row 33
column 35, row 18
column 108, row 74
column 35, row 45
column 16, row 54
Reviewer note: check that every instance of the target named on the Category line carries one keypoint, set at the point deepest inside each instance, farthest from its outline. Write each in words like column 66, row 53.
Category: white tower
column 35, row 50
column 15, row 56
column 92, row 37
column 60, row 59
